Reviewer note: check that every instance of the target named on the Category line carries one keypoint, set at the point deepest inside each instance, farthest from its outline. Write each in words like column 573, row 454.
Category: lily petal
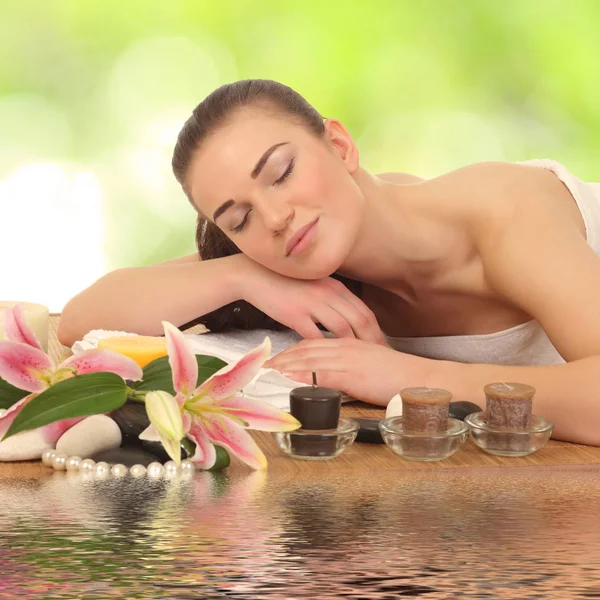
column 17, row 329
column 150, row 434
column 10, row 415
column 103, row 359
column 164, row 413
column 173, row 448
column 235, row 439
column 24, row 366
column 182, row 360
column 232, row 378
column 258, row 414
column 205, row 455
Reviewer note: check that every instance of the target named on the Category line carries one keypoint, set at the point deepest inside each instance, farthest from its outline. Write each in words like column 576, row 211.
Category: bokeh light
column 92, row 96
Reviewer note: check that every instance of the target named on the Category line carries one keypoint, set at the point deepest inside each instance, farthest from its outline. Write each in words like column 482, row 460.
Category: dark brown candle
column 425, row 409
column 317, row 408
column 508, row 404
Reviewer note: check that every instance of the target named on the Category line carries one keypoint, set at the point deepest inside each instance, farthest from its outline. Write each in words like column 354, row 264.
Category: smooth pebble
column 90, row 436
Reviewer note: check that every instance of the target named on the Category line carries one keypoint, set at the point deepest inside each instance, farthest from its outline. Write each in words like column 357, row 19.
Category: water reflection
column 471, row 534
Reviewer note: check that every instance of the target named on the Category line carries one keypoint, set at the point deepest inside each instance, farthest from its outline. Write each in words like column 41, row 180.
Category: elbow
column 71, row 324
column 66, row 335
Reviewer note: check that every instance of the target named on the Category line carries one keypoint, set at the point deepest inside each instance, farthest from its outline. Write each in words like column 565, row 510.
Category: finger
column 326, row 346
column 333, row 320
column 362, row 319
column 363, row 326
column 304, row 344
column 309, row 362
column 331, row 379
column 307, row 329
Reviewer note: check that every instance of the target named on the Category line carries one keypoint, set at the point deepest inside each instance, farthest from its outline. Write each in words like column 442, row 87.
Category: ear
column 342, row 144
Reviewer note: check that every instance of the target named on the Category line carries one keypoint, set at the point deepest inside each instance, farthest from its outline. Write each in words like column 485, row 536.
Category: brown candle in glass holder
column 508, row 406
column 317, row 408
column 425, row 409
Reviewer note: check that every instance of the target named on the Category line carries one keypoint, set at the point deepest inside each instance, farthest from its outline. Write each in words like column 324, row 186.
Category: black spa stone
column 159, row 452
column 131, row 419
column 459, row 410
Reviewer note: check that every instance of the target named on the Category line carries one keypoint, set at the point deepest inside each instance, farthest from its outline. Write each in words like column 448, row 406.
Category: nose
column 277, row 216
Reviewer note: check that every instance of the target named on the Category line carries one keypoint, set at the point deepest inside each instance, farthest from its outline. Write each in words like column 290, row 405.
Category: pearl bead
column 59, row 461
column 171, row 468
column 87, row 465
column 47, row 457
column 102, row 469
column 155, row 470
column 73, row 463
column 137, row 471
column 119, row 470
column 187, row 466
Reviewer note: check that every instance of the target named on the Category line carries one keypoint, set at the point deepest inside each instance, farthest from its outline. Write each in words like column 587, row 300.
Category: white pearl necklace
column 155, row 470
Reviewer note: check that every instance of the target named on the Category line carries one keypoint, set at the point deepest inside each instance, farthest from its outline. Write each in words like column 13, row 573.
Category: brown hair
column 211, row 241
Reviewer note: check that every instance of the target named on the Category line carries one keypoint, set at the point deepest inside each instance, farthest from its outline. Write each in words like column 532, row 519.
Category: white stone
column 90, row 436
column 27, row 445
column 394, row 408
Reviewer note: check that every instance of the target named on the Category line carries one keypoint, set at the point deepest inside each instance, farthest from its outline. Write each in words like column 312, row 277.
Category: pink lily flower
column 212, row 413
column 25, row 365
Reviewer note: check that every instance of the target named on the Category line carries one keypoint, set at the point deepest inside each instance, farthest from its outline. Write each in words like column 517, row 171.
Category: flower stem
column 136, row 396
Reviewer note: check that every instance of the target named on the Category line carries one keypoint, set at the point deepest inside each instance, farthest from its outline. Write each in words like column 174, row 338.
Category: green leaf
column 9, row 394
column 158, row 375
column 222, row 460
column 80, row 396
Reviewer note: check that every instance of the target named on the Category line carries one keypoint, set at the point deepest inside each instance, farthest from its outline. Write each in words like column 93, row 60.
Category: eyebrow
column 262, row 161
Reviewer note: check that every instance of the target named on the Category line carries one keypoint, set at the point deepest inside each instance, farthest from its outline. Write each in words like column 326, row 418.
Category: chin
column 314, row 265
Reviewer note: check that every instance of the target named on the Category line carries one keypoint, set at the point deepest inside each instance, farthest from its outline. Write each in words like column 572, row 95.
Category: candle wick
column 314, row 378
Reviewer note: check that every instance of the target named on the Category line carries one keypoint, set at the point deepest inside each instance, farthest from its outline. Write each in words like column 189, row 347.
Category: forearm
column 568, row 395
column 137, row 299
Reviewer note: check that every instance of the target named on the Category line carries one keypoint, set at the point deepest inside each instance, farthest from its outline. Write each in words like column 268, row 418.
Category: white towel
column 268, row 385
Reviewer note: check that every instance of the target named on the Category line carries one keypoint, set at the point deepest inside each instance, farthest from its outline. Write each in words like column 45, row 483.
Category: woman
column 487, row 273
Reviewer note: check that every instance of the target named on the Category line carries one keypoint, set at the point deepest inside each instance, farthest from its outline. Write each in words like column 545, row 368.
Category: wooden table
column 362, row 457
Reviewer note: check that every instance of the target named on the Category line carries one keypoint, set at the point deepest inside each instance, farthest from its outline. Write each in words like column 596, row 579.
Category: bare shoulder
column 491, row 195
column 188, row 258
column 400, row 177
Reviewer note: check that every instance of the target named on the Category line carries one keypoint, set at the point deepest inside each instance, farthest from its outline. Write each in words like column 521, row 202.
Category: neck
column 399, row 230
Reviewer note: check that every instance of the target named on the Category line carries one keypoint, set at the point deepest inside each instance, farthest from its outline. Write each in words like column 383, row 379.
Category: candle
column 509, row 404
column 317, row 408
column 36, row 316
column 425, row 409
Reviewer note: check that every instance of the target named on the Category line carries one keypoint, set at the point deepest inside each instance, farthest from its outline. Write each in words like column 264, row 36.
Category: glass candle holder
column 318, row 444
column 423, row 445
column 506, row 441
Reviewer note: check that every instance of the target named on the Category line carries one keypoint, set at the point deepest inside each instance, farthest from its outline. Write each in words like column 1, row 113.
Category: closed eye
column 279, row 181
column 287, row 173
column 243, row 224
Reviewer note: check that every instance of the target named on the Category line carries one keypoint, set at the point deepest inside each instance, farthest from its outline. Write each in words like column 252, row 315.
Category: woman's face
column 266, row 181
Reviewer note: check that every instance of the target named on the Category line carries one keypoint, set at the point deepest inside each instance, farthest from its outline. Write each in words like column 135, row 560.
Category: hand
column 300, row 304
column 366, row 371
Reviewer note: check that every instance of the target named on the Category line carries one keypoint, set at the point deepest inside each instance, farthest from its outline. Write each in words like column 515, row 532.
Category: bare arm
column 537, row 259
column 137, row 299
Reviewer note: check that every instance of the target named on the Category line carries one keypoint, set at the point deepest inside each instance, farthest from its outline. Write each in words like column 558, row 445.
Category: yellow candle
column 37, row 317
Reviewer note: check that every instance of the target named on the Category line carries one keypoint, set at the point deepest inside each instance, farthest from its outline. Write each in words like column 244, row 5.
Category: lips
column 297, row 237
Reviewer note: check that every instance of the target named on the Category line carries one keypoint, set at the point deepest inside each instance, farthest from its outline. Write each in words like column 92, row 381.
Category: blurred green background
column 93, row 93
